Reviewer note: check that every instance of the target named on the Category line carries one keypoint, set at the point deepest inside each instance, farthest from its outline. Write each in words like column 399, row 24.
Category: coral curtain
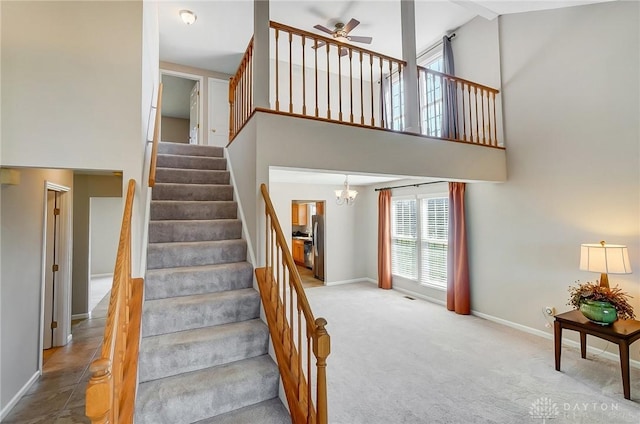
column 384, row 239
column 458, row 296
column 449, row 95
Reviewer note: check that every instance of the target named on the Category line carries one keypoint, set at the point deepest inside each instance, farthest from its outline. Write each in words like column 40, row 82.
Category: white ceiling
column 223, row 29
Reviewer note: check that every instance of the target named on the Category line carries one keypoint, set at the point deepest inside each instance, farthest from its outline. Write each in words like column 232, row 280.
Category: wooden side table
column 621, row 332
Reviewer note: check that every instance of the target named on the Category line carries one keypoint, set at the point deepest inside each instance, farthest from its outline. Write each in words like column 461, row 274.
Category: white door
column 52, row 247
column 194, row 109
column 218, row 112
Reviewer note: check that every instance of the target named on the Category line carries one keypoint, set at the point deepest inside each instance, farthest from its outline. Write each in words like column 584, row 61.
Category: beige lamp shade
column 605, row 258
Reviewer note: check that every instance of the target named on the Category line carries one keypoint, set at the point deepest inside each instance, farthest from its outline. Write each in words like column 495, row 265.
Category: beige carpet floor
column 396, row 360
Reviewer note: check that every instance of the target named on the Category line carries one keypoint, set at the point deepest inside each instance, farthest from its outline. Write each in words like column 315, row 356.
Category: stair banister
column 156, row 139
column 110, row 394
column 286, row 305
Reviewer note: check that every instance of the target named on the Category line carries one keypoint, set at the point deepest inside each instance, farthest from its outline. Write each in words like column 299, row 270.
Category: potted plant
column 601, row 305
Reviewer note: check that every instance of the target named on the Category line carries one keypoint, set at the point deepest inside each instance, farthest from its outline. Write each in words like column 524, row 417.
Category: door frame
column 63, row 298
column 210, row 107
column 193, row 77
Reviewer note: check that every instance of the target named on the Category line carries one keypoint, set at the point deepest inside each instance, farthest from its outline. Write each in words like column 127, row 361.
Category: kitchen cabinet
column 320, row 208
column 298, row 251
column 298, row 214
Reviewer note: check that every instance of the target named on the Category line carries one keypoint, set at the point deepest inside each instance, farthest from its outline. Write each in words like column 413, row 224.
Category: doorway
column 181, row 114
column 55, row 313
column 308, row 244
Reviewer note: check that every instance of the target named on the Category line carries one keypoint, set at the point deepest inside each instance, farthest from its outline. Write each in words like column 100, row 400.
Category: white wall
column 571, row 120
column 105, row 218
column 343, row 259
column 21, row 220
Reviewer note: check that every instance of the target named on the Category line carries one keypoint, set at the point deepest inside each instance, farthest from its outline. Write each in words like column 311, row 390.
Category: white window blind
column 434, row 240
column 419, row 238
column 404, row 243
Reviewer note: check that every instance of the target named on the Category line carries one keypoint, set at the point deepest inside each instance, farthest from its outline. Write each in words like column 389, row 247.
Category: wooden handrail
column 156, row 139
column 110, row 394
column 454, row 78
column 286, row 306
column 241, row 93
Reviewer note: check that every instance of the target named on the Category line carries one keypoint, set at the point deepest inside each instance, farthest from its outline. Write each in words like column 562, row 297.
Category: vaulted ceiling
column 217, row 40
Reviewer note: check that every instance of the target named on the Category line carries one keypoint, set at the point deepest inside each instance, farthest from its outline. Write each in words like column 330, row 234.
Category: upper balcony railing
column 321, row 78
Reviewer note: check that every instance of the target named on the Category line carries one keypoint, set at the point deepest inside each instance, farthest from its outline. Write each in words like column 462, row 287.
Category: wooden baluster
column 373, row 119
column 456, row 110
column 401, row 97
column 391, row 122
column 250, row 80
column 495, row 121
column 470, row 115
column 321, row 349
column 291, row 337
column 290, row 74
column 350, row 85
column 304, row 79
column 361, row 91
column 309, row 398
column 315, row 42
column 463, row 113
column 299, row 364
column 328, row 85
column 277, row 71
column 484, row 130
column 475, row 98
column 339, row 83
column 383, row 123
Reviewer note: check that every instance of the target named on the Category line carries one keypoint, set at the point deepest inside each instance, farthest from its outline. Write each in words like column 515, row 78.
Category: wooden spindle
column 390, row 84
column 482, row 94
column 475, row 99
column 361, row 92
column 373, row 119
column 495, row 120
column 383, row 122
column 328, row 84
column 277, row 71
column 315, row 42
column 470, row 115
column 304, row 79
column 321, row 349
column 350, row 85
column 339, row 83
column 290, row 74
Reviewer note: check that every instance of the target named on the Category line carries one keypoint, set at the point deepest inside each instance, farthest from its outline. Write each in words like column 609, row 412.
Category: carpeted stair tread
column 191, row 176
column 270, row 411
column 191, row 162
column 185, row 351
column 181, row 191
column 189, row 209
column 186, row 281
column 162, row 316
column 194, row 230
column 197, row 395
column 167, row 148
column 193, row 253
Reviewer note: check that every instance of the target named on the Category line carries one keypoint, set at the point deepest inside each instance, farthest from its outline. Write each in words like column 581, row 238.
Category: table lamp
column 605, row 258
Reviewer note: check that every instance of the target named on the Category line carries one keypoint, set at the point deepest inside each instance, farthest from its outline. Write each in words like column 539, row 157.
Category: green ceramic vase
column 603, row 313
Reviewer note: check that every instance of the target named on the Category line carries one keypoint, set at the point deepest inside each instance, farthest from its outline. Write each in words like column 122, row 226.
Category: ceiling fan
column 341, row 33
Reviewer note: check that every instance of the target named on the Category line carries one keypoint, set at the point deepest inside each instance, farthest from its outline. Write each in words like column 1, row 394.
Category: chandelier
column 345, row 195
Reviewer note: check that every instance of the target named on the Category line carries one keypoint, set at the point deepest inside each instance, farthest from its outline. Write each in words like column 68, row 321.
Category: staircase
column 203, row 355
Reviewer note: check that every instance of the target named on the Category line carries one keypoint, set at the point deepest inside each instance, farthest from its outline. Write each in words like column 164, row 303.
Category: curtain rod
column 409, row 185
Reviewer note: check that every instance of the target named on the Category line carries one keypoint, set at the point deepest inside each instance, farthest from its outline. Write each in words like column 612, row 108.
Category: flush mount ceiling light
column 346, row 195
column 188, row 17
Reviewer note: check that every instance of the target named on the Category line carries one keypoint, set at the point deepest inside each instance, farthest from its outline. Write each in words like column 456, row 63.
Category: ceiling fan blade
column 320, row 44
column 366, row 40
column 324, row 29
column 351, row 25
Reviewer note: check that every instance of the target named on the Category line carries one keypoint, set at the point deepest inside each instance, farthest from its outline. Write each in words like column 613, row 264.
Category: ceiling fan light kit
column 341, row 34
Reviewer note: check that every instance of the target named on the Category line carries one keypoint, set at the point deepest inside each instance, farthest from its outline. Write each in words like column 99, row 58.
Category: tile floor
column 58, row 396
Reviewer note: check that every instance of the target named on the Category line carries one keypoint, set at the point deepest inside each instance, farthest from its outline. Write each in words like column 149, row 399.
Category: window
column 419, row 239
column 431, row 96
column 394, row 101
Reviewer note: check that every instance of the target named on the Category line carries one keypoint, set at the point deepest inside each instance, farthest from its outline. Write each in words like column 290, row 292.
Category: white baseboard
column 81, row 316
column 109, row 274
column 338, row 283
column 610, row 355
column 370, row 280
column 14, row 400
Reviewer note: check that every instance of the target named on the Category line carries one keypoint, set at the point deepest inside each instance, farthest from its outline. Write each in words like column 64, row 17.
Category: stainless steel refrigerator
column 317, row 225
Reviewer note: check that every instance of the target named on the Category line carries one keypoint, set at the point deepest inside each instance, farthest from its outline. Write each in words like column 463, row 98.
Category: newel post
column 321, row 349
column 99, row 393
